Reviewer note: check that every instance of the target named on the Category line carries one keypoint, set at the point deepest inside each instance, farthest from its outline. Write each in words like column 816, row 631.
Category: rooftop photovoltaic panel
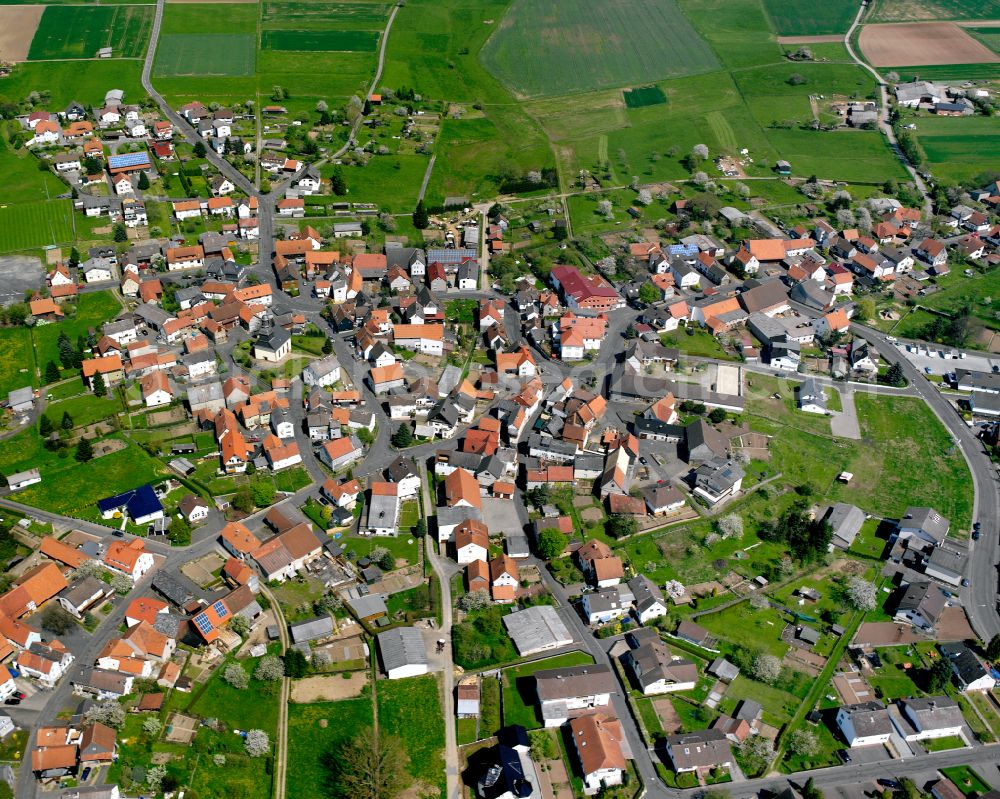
column 128, row 159
column 220, row 609
column 201, row 620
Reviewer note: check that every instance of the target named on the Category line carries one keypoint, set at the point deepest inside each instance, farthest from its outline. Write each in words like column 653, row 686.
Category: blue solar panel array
column 128, row 159
column 202, row 622
column 221, row 610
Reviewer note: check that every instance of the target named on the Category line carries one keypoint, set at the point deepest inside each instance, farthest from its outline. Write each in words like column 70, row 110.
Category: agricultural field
column 543, row 49
column 958, row 148
column 816, row 18
column 988, row 36
column 227, row 54
column 295, row 14
column 348, row 41
column 920, row 44
column 80, row 31
column 925, row 10
column 36, row 224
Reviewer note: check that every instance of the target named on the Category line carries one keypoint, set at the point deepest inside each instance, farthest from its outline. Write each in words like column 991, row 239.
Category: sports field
column 545, row 49
column 348, row 41
column 80, row 31
column 29, row 225
column 810, row 17
column 180, row 54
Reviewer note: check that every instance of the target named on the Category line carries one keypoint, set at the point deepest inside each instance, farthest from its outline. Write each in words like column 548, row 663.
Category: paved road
column 883, row 118
column 979, row 599
column 441, row 569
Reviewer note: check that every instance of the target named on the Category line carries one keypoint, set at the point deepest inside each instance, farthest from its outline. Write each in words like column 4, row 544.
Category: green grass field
column 227, row 54
column 80, row 31
column 37, row 224
column 410, row 710
column 348, row 41
column 392, row 181
column 66, row 81
column 958, row 147
column 810, row 17
column 24, row 180
column 310, row 745
column 17, row 359
column 548, row 49
column 210, row 18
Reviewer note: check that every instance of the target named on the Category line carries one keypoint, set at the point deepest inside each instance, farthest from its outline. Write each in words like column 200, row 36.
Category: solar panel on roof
column 221, row 610
column 202, row 622
column 128, row 159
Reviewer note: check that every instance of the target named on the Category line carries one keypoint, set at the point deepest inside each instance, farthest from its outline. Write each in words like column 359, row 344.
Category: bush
column 270, row 669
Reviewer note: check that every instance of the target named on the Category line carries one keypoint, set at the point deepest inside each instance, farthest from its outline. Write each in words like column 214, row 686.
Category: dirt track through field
column 824, row 39
column 17, row 28
column 922, row 44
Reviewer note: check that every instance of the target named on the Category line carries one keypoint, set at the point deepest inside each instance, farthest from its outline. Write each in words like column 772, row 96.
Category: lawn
column 410, row 710
column 93, row 309
column 520, row 703
column 698, row 342
column 84, row 410
column 73, row 488
column 550, row 49
column 746, row 626
column 810, row 18
column 80, row 31
column 348, row 41
column 311, row 744
column 227, row 54
column 402, row 547
column 943, row 744
column 17, row 359
column 966, row 780
column 31, row 225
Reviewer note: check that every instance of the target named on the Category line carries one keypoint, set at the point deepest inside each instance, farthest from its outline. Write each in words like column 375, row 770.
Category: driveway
column 845, row 424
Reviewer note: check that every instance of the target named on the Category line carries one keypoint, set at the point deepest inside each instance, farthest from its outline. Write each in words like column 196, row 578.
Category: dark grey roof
column 573, row 681
column 402, row 646
column 645, row 591
column 869, row 718
column 311, row 629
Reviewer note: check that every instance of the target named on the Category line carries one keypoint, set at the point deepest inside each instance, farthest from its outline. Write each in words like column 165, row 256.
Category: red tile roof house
column 591, row 292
